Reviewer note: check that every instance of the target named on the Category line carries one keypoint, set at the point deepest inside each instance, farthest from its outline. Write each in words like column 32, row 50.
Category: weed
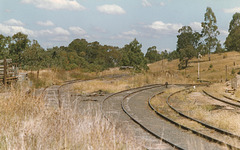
column 25, row 123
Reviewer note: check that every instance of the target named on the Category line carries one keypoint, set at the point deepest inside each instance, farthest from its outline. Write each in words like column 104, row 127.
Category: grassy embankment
column 25, row 123
column 165, row 71
column 198, row 106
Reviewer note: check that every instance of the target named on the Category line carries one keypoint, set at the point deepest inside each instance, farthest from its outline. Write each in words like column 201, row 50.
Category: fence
column 8, row 71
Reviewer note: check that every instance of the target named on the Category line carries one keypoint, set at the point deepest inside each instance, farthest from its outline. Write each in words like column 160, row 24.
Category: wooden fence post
column 5, row 72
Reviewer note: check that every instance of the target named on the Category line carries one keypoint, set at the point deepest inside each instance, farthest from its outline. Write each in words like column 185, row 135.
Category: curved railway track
column 134, row 104
column 112, row 110
column 226, row 101
column 208, row 131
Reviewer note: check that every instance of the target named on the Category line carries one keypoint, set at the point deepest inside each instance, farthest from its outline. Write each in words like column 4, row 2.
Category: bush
column 37, row 82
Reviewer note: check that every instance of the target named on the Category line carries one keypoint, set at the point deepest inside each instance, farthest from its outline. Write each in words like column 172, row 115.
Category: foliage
column 92, row 56
column 19, row 43
column 33, row 57
column 219, row 48
column 187, row 44
column 233, row 40
column 187, row 37
column 185, row 55
column 132, row 56
column 235, row 22
column 210, row 30
column 4, row 49
column 152, row 54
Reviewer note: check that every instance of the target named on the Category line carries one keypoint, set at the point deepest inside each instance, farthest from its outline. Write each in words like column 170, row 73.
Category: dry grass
column 116, row 85
column 110, row 86
column 199, row 107
column 213, row 70
column 25, row 123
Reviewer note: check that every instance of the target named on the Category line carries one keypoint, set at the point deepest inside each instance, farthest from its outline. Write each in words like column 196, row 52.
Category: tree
column 132, row 56
column 210, row 30
column 33, row 57
column 187, row 37
column 233, row 40
column 219, row 48
column 185, row 55
column 235, row 22
column 4, row 46
column 187, row 45
column 152, row 54
column 79, row 46
column 19, row 44
column 173, row 55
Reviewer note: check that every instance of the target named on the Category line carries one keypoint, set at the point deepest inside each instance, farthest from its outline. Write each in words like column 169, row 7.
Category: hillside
column 214, row 70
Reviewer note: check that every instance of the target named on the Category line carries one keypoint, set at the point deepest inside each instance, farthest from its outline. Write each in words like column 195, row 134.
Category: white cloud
column 131, row 32
column 45, row 23
column 232, row 10
column 55, row 4
column 56, row 31
column 111, row 9
column 13, row 29
column 146, row 3
column 162, row 4
column 13, row 22
column 77, row 30
column 99, row 29
column 60, row 38
column 165, row 27
column 129, row 35
column 60, row 31
column 196, row 26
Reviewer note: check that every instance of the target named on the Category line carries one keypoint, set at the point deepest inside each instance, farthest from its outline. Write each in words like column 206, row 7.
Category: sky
column 111, row 22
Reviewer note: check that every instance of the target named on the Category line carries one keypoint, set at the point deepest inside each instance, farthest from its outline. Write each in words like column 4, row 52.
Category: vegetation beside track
column 26, row 123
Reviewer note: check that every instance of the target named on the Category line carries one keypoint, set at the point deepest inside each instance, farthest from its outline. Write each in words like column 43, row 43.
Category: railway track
column 164, row 129
column 134, row 104
column 111, row 108
column 208, row 131
column 60, row 96
column 228, row 101
column 135, row 107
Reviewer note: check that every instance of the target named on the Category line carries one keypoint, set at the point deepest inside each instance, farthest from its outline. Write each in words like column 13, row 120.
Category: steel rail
column 235, row 100
column 221, row 100
column 108, row 97
column 143, row 127
column 185, row 127
column 198, row 121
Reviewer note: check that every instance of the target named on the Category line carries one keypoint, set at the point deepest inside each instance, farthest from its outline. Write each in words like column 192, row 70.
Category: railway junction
column 165, row 125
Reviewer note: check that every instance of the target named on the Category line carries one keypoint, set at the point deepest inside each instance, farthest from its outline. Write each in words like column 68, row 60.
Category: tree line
column 92, row 56
column 191, row 43
column 89, row 56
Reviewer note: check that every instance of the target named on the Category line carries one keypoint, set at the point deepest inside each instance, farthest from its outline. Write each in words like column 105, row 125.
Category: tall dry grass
column 202, row 108
column 25, row 123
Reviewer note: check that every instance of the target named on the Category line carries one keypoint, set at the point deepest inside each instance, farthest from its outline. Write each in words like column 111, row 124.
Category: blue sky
column 111, row 22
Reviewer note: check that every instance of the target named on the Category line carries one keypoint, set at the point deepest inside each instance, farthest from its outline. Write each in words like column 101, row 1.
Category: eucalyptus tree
column 235, row 22
column 33, row 57
column 18, row 45
column 233, row 40
column 4, row 46
column 152, row 54
column 187, row 44
column 210, row 30
column 133, row 56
